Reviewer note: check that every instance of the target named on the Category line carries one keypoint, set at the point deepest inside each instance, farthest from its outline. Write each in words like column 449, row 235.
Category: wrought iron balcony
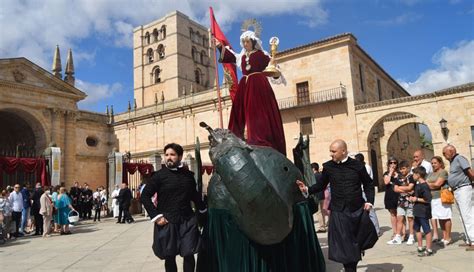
column 318, row 97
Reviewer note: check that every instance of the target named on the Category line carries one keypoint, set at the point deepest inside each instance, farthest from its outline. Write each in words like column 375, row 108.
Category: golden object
column 272, row 70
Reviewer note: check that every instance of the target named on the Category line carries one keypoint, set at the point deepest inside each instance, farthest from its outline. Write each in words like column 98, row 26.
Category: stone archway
column 386, row 138
column 24, row 133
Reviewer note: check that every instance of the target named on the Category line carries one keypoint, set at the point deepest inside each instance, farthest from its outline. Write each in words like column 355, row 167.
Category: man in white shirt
column 419, row 159
column 16, row 200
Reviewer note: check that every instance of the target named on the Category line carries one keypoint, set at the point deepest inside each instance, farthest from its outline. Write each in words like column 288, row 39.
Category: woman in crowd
column 391, row 198
column 63, row 205
column 6, row 213
column 46, row 211
column 439, row 211
column 54, row 198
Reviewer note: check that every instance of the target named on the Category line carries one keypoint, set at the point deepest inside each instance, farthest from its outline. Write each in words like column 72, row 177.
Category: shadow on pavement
column 381, row 267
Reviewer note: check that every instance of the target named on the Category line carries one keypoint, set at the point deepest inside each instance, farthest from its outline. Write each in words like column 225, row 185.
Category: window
column 197, row 36
column 379, row 89
column 393, row 94
column 197, row 75
column 91, row 141
column 163, row 32
column 361, row 77
column 472, row 134
column 306, row 126
column 203, row 57
column 156, row 74
column 147, row 38
column 194, row 53
column 155, row 35
column 191, row 34
column 302, row 91
column 149, row 54
column 161, row 51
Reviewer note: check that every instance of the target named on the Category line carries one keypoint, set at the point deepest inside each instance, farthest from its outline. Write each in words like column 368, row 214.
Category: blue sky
column 424, row 44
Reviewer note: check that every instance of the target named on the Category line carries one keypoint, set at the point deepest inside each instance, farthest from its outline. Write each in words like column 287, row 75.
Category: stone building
column 334, row 89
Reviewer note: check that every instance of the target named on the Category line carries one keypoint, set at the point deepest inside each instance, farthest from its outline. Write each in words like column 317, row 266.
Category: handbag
column 447, row 196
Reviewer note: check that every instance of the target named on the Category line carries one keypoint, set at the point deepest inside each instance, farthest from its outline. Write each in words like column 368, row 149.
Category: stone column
column 111, row 162
column 69, row 150
column 155, row 160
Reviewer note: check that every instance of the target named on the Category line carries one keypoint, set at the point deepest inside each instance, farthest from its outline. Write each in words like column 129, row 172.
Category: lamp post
column 444, row 128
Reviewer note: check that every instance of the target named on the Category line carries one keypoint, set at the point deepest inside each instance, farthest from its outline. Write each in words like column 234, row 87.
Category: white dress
column 115, row 206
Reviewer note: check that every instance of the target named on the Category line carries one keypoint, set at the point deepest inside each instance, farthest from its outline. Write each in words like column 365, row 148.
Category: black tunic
column 347, row 227
column 175, row 190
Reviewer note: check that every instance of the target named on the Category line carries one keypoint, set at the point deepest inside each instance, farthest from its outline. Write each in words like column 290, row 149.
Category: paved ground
column 111, row 247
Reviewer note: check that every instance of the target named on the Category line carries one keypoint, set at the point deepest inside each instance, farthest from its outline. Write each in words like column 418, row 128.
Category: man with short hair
column 25, row 213
column 75, row 194
column 35, row 209
column 350, row 229
column 419, row 160
column 125, row 200
column 176, row 229
column 459, row 179
column 16, row 200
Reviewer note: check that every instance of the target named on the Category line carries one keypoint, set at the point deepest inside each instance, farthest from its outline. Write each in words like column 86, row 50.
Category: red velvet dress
column 255, row 105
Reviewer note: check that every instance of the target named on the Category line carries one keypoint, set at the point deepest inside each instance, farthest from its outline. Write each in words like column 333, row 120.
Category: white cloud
column 405, row 18
column 32, row 28
column 97, row 92
column 454, row 66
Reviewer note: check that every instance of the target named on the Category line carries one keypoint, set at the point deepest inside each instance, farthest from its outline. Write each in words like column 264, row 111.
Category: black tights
column 350, row 267
column 188, row 264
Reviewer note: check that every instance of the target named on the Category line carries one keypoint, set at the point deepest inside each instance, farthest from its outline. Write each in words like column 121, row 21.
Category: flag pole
column 218, row 89
column 219, row 99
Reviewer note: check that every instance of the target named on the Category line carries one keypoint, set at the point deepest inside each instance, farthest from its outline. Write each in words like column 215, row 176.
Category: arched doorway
column 22, row 136
column 406, row 139
column 396, row 134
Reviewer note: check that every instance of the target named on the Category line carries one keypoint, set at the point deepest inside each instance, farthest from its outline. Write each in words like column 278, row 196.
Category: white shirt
column 427, row 165
column 369, row 171
column 16, row 200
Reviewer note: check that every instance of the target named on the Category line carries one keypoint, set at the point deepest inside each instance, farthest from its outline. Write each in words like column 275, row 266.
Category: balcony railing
column 313, row 98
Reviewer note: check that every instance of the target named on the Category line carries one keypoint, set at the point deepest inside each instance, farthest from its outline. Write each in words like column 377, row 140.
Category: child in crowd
column 97, row 202
column 422, row 210
column 404, row 185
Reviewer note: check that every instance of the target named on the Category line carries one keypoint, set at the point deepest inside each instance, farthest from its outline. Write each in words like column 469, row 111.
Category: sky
column 426, row 45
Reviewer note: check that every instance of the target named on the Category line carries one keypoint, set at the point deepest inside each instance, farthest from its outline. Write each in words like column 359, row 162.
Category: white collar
column 344, row 160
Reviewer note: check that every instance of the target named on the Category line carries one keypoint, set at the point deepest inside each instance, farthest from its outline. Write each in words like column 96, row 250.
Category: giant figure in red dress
column 254, row 104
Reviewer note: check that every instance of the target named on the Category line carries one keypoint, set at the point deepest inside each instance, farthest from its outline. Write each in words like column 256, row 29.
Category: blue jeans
column 24, row 219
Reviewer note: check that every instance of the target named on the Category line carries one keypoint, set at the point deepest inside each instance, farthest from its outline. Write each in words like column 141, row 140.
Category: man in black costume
column 86, row 199
column 124, row 199
column 350, row 229
column 75, row 194
column 176, row 229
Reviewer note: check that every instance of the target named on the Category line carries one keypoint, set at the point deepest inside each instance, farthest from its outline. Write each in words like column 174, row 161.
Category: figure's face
column 418, row 157
column 171, row 158
column 416, row 176
column 248, row 45
column 404, row 170
column 436, row 165
column 337, row 153
column 17, row 188
column 448, row 154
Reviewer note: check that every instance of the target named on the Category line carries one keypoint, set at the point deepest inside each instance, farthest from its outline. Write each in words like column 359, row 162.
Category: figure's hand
column 162, row 221
column 412, row 199
column 367, row 206
column 303, row 188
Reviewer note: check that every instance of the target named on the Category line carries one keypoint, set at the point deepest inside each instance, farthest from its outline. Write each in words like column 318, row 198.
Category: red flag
column 230, row 70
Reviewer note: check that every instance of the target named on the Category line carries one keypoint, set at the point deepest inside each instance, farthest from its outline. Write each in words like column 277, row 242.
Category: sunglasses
column 393, row 162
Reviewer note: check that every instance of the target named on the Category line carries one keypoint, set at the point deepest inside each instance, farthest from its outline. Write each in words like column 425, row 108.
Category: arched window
column 163, row 32
column 155, row 35
column 203, row 57
column 156, row 74
column 149, row 55
column 191, row 34
column 147, row 38
column 193, row 53
column 197, row 76
column 206, row 42
column 161, row 51
column 197, row 37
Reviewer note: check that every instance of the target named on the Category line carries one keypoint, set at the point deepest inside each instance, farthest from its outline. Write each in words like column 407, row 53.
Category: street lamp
column 444, row 128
